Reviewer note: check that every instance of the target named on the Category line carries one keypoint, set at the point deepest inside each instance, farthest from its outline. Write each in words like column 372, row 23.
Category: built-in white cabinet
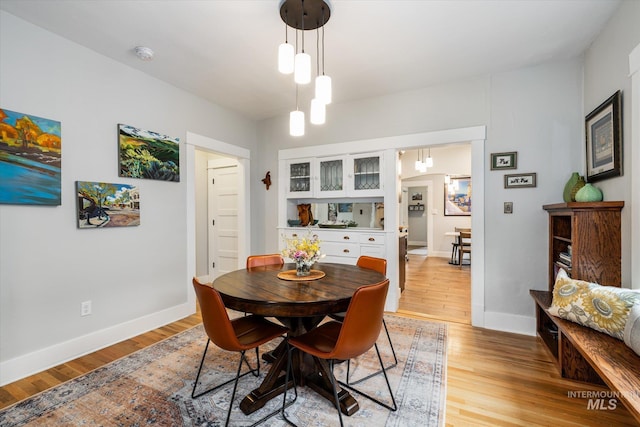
column 337, row 176
column 341, row 246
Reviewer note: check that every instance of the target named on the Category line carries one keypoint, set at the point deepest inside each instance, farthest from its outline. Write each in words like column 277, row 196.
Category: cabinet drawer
column 337, row 236
column 339, row 249
column 372, row 239
column 301, row 233
column 377, row 251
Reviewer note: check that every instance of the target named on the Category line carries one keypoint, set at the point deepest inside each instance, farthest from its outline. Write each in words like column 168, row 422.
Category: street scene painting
column 146, row 154
column 103, row 205
column 30, row 159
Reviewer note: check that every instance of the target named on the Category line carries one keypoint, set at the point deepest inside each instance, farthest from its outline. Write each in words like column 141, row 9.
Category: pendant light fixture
column 420, row 165
column 318, row 112
column 323, row 82
column 429, row 160
column 296, row 120
column 286, row 51
column 305, row 15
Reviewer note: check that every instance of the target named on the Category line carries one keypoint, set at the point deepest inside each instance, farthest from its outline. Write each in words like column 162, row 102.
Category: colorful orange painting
column 30, row 159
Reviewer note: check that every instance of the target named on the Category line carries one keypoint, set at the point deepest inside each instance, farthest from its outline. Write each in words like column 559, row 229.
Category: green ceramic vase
column 566, row 194
column 589, row 193
column 578, row 185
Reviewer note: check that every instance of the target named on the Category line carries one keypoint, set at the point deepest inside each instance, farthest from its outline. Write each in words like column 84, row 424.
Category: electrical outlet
column 85, row 308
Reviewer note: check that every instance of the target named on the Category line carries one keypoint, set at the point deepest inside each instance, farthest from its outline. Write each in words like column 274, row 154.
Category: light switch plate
column 508, row 207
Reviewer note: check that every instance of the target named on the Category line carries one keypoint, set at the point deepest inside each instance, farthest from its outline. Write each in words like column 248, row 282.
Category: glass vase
column 303, row 267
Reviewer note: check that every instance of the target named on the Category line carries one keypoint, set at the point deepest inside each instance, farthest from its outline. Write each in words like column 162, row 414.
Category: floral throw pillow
column 603, row 308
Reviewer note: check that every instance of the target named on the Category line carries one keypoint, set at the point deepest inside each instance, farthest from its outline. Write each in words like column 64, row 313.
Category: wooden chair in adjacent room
column 262, row 260
column 379, row 265
column 465, row 246
column 238, row 335
column 336, row 341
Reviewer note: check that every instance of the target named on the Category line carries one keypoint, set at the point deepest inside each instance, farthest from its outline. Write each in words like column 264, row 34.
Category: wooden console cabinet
column 592, row 230
column 583, row 354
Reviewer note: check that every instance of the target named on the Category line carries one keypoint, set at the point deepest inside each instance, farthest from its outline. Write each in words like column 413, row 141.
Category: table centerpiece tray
column 291, row 275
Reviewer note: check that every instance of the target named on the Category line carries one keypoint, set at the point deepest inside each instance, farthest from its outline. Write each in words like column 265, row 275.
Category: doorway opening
column 434, row 288
column 198, row 150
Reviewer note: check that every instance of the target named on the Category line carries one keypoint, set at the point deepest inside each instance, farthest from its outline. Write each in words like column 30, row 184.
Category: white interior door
column 223, row 216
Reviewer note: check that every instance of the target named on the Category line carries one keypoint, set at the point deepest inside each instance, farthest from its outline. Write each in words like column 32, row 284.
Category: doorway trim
column 243, row 156
column 634, row 72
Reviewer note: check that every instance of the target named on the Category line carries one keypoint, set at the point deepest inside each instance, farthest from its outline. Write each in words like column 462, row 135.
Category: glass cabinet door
column 331, row 177
column 367, row 176
column 300, row 178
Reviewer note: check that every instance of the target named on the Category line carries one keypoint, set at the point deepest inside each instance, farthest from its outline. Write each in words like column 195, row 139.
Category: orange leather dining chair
column 262, row 260
column 379, row 265
column 345, row 340
column 238, row 335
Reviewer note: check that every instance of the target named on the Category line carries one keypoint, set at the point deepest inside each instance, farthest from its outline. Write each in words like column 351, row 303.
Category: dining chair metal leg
column 255, row 372
column 332, row 378
column 393, row 365
column 394, row 406
column 286, row 386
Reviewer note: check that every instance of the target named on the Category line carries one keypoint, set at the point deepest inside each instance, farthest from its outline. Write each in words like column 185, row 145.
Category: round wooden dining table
column 300, row 305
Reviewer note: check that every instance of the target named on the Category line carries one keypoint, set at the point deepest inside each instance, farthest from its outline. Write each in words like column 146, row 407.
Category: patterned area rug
column 153, row 387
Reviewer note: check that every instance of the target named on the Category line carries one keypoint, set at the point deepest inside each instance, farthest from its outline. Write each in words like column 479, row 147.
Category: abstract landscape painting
column 107, row 205
column 146, row 154
column 30, row 158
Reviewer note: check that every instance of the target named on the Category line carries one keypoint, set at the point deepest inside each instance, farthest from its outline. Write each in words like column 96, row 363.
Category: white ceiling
column 225, row 51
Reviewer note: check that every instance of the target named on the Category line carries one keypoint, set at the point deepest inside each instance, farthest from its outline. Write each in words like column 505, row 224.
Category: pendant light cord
column 318, row 52
column 323, row 41
column 302, row 9
column 286, row 26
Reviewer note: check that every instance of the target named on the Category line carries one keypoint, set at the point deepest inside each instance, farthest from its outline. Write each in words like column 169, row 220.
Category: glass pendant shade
column 429, row 162
column 418, row 165
column 323, row 89
column 302, row 72
column 286, row 54
column 318, row 112
column 296, row 123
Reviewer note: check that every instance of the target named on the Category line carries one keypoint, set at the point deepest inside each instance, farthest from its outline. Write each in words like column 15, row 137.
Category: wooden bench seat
column 584, row 354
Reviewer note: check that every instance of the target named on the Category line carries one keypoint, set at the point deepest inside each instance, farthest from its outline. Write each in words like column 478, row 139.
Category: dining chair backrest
column 215, row 318
column 362, row 322
column 373, row 263
column 463, row 240
column 262, row 260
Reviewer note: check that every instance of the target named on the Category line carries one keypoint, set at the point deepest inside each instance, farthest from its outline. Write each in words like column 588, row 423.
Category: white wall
column 136, row 277
column 606, row 71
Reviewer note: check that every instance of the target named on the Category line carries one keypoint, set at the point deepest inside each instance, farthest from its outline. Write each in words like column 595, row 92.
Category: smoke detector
column 144, row 53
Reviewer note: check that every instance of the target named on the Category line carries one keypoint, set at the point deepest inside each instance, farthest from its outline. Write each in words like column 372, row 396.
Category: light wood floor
column 493, row 378
column 436, row 289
